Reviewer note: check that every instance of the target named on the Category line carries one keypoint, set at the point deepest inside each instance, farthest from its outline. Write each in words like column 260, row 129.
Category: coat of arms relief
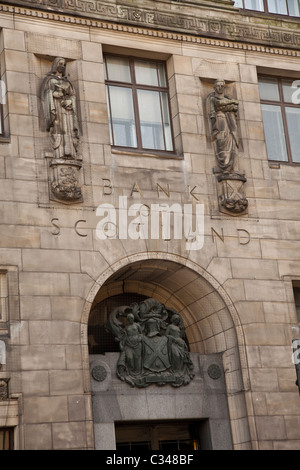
column 152, row 344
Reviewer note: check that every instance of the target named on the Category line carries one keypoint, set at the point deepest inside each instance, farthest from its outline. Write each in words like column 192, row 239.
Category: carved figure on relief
column 152, row 344
column 59, row 101
column 222, row 112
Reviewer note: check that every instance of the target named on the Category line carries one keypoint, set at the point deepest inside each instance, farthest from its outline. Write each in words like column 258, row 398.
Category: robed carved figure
column 222, row 112
column 59, row 103
column 152, row 343
column 60, row 111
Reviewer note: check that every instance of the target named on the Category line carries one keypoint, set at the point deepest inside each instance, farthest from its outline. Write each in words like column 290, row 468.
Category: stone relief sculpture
column 152, row 344
column 222, row 112
column 60, row 113
column 4, row 389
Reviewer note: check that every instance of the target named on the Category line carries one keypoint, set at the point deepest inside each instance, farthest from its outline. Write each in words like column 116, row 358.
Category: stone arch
column 211, row 320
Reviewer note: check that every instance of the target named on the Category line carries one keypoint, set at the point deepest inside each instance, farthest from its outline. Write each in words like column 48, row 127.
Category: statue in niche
column 222, row 112
column 152, row 344
column 60, row 111
column 59, row 103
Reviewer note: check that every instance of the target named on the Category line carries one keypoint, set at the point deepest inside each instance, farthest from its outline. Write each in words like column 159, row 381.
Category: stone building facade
column 234, row 282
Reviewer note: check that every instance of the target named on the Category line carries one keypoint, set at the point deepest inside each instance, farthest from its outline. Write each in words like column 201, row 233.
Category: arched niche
column 211, row 322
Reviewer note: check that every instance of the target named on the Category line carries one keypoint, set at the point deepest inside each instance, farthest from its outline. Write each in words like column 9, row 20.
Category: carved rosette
column 152, row 344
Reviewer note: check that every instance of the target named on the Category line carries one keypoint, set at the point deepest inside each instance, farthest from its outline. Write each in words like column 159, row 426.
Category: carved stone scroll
column 222, row 111
column 152, row 343
column 59, row 103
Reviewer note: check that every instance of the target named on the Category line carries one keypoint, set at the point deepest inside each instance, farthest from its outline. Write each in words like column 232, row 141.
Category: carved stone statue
column 152, row 344
column 60, row 113
column 222, row 112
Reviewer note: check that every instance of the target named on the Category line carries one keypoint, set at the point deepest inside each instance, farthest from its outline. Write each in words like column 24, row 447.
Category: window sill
column 276, row 165
column 132, row 153
column 4, row 139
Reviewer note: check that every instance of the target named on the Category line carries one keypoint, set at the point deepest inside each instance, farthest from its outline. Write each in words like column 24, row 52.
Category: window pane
column 274, row 132
column 277, row 6
column 121, row 116
column 162, row 74
column 268, row 88
column 294, row 9
column 166, row 119
column 293, row 122
column 257, row 5
column 150, row 119
column 239, row 4
column 288, row 90
column 118, row 69
column 146, row 73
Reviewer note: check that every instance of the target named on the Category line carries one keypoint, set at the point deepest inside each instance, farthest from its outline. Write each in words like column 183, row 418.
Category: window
column 138, row 104
column 296, row 290
column 279, row 7
column 3, row 296
column 281, row 118
column 6, row 438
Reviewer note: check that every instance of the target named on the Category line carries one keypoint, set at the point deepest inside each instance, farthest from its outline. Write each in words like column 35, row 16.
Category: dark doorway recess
column 163, row 435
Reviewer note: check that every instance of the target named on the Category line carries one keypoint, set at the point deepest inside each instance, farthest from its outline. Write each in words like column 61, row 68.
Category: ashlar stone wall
column 55, row 255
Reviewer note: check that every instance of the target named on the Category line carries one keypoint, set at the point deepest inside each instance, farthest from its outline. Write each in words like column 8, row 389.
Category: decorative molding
column 204, row 30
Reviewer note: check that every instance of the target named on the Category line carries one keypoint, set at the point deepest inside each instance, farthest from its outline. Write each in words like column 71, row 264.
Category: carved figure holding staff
column 222, row 112
column 59, row 100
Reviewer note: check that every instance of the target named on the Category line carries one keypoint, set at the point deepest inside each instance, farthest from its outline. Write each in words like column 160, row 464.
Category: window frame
column 2, row 131
column 7, row 438
column 266, row 10
column 134, row 86
column 3, row 134
column 296, row 293
column 282, row 104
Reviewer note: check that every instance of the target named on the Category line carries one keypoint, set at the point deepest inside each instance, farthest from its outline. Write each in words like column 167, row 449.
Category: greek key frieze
column 173, row 21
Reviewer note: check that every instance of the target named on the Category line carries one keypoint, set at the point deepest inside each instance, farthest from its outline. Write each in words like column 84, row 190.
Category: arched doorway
column 214, row 337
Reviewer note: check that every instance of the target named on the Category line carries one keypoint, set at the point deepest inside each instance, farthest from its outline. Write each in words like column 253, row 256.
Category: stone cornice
column 145, row 21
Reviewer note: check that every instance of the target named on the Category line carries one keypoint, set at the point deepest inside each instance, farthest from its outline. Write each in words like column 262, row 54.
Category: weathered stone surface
column 235, row 294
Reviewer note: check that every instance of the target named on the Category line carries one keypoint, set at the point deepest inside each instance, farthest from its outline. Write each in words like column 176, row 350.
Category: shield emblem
column 156, row 356
column 231, row 194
